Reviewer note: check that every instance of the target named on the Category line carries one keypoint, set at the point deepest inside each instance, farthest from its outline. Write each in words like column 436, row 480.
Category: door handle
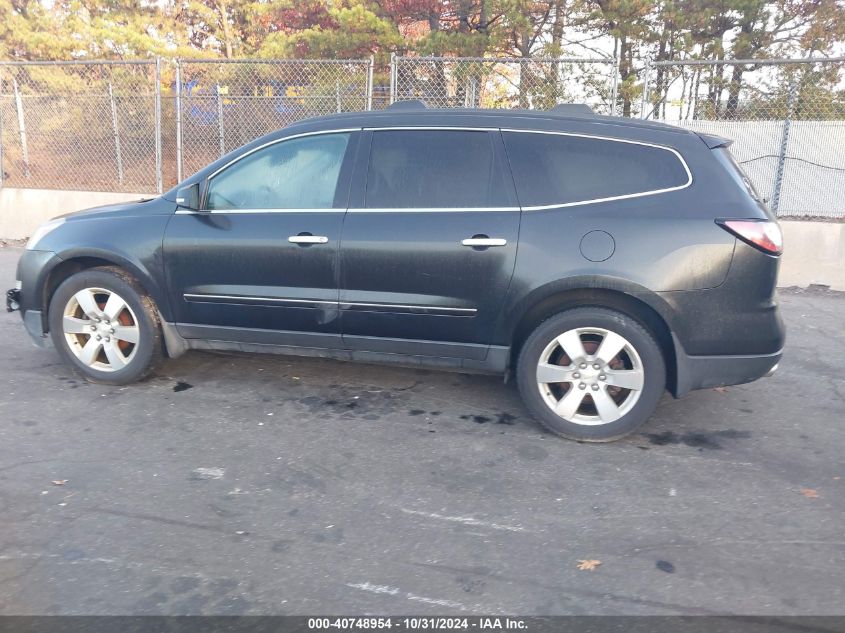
column 308, row 239
column 484, row 241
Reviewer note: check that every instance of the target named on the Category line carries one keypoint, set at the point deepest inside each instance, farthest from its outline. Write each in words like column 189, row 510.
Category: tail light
column 762, row 234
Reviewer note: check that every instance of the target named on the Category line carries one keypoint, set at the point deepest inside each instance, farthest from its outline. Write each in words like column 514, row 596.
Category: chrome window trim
column 650, row 192
column 459, row 128
column 561, row 205
column 350, row 210
column 432, row 210
column 242, row 211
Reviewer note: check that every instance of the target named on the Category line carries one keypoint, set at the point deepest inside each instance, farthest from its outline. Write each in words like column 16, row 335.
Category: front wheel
column 591, row 374
column 104, row 324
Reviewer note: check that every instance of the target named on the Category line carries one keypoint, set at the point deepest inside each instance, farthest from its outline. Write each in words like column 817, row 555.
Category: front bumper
column 31, row 318
column 13, row 299
column 34, row 327
column 32, row 272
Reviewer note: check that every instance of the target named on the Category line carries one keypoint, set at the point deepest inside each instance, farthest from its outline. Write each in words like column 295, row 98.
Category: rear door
column 259, row 263
column 429, row 242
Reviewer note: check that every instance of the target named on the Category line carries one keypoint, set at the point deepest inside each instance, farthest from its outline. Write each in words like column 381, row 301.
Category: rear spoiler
column 712, row 141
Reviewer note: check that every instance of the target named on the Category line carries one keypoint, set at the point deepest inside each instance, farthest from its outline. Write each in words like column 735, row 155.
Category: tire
column 623, row 389
column 108, row 303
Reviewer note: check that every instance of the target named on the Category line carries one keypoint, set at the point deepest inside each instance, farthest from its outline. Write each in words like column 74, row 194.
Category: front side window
column 301, row 173
column 432, row 169
column 557, row 169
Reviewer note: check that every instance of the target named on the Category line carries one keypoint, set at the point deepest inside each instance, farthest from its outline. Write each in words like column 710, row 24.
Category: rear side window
column 558, row 169
column 737, row 173
column 432, row 169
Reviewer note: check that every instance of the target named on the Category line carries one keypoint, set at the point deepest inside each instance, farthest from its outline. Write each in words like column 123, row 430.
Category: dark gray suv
column 601, row 260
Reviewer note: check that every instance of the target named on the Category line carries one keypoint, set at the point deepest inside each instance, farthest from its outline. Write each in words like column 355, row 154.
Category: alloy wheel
column 101, row 329
column 590, row 376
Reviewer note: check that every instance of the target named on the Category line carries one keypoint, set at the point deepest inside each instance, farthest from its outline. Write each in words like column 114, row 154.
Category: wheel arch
column 638, row 303
column 78, row 260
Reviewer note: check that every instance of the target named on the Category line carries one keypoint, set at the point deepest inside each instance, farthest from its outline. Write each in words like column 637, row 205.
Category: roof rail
column 411, row 104
column 573, row 109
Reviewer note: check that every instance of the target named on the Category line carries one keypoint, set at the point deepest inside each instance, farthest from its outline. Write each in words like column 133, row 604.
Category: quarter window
column 301, row 173
column 434, row 169
column 552, row 169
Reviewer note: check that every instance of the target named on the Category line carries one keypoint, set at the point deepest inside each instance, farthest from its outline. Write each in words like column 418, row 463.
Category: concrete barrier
column 22, row 210
column 814, row 253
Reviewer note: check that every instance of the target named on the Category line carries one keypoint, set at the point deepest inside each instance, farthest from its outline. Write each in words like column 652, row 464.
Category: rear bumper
column 701, row 372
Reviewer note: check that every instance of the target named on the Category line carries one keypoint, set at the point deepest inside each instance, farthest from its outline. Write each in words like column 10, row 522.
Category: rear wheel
column 104, row 324
column 591, row 374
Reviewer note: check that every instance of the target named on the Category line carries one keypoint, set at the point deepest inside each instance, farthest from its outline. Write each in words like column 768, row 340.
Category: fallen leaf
column 810, row 493
column 720, row 389
column 59, row 482
column 588, row 565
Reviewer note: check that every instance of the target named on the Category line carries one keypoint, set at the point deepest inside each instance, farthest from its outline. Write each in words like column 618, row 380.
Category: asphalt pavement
column 245, row 484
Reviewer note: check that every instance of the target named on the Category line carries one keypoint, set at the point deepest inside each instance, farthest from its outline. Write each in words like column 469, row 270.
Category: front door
column 429, row 243
column 259, row 263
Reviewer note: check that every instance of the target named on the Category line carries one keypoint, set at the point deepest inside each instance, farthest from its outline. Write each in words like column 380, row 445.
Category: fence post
column 178, row 121
column 393, row 77
column 784, row 141
column 21, row 128
column 337, row 94
column 159, row 174
column 646, row 77
column 1, row 130
column 116, row 131
column 220, row 136
column 470, row 96
column 614, row 91
column 370, row 66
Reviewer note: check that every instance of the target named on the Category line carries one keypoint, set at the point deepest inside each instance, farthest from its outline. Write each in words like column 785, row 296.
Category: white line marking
column 441, row 603
column 395, row 591
column 466, row 521
column 209, row 473
column 366, row 586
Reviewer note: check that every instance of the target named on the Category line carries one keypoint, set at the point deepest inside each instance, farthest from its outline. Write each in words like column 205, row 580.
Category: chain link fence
column 142, row 126
column 477, row 82
column 77, row 125
column 786, row 118
column 222, row 105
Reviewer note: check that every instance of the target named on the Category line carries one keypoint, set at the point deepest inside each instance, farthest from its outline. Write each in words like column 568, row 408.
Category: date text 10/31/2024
column 418, row 623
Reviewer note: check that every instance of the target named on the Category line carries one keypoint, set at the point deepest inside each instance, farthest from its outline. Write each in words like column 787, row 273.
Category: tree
column 627, row 22
column 339, row 29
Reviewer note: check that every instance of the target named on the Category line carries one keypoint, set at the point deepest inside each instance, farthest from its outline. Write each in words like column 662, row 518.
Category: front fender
column 150, row 280
column 133, row 243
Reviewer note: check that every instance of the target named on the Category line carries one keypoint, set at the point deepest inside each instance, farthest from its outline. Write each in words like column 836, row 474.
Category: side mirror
column 189, row 197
